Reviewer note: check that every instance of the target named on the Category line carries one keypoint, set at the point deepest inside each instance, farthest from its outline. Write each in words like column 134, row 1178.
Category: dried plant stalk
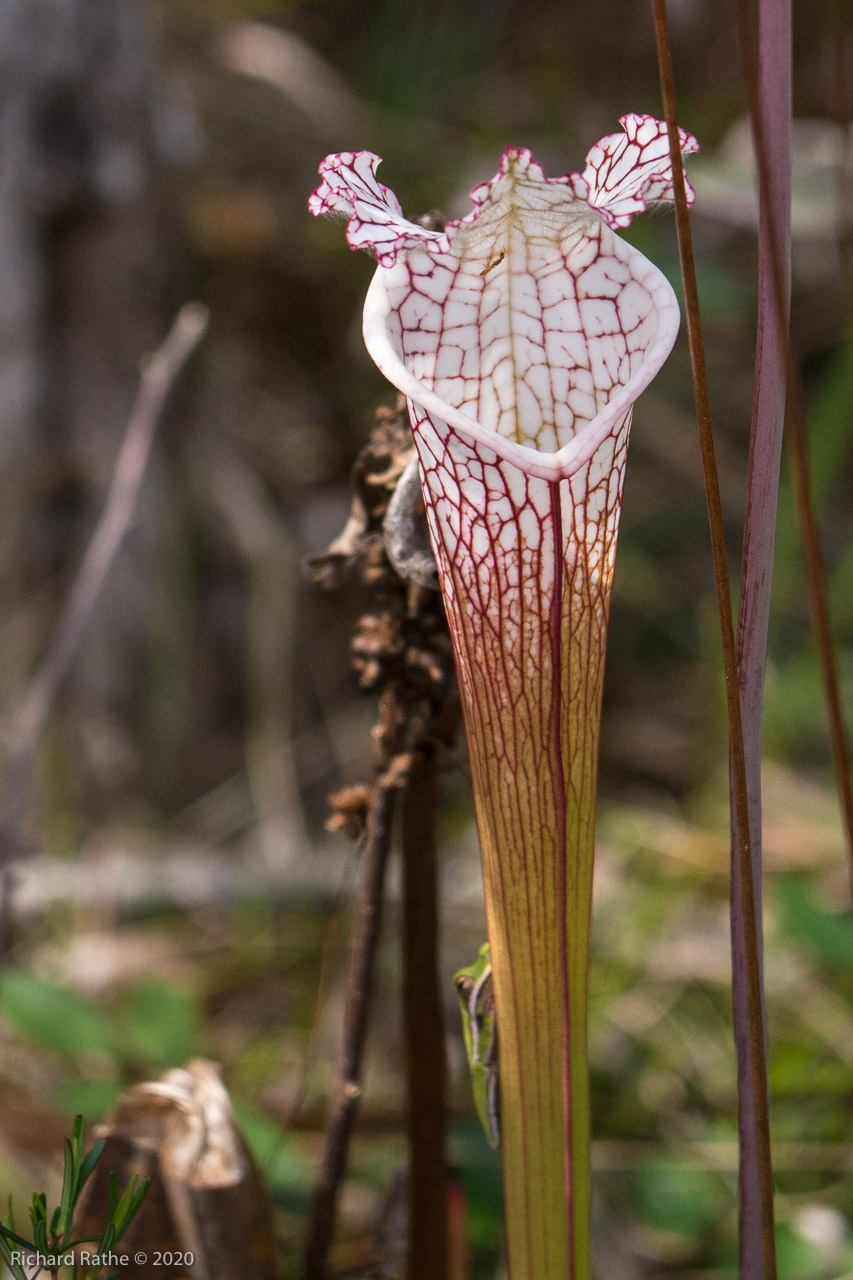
column 207, row 1205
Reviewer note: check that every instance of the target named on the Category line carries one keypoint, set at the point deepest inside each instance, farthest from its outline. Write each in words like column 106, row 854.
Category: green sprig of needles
column 52, row 1233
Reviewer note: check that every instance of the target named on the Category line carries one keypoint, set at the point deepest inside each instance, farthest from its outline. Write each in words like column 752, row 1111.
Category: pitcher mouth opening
column 379, row 337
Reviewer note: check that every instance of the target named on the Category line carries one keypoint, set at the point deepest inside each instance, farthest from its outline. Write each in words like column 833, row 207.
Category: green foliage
column 479, row 1171
column 157, row 1023
column 277, row 1152
column 55, row 1016
column 52, row 1233
column 676, row 1200
column 827, row 935
column 829, row 457
column 90, row 1095
column 163, row 1021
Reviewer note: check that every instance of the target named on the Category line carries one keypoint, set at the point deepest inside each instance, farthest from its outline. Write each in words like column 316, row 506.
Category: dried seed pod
column 207, row 1215
column 348, row 811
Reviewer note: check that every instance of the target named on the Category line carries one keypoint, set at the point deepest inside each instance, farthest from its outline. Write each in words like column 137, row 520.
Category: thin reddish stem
column 770, row 97
column 810, row 540
column 738, row 759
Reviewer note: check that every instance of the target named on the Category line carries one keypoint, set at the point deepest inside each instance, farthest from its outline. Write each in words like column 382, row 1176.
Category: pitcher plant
column 521, row 336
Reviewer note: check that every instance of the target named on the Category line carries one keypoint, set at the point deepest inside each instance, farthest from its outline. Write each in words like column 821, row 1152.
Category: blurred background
column 179, row 893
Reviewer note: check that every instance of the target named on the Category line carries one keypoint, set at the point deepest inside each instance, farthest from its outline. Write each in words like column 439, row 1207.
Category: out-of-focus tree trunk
column 87, row 285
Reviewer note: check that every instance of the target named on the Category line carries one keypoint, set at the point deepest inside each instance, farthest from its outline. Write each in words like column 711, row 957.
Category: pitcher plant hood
column 528, row 318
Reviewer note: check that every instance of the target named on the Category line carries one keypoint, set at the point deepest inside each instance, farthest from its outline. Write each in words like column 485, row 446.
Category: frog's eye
column 464, row 985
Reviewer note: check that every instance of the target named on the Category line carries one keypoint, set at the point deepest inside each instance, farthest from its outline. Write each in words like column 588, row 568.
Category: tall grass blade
column 752, row 956
column 764, row 84
column 769, row 87
column 841, row 107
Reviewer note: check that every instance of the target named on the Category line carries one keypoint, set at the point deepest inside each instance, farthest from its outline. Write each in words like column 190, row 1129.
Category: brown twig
column 425, row 1032
column 365, row 936
column 758, row 1052
column 158, row 377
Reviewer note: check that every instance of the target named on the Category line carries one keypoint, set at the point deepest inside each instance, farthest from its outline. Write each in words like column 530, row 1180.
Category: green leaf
column 108, row 1238
column 828, row 935
column 15, row 1269
column 134, row 1206
column 7, row 1233
column 163, row 1022
column 683, row 1201
column 62, row 1217
column 56, row 1017
column 88, row 1163
column 127, row 1207
column 798, row 1259
column 40, row 1235
column 139, row 1195
column 278, row 1154
column 74, row 1182
column 38, row 1209
column 95, row 1097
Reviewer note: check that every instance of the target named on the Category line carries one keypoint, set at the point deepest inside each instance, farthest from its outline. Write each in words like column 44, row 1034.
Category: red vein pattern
column 526, row 566
column 522, row 335
column 532, row 348
column 626, row 172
